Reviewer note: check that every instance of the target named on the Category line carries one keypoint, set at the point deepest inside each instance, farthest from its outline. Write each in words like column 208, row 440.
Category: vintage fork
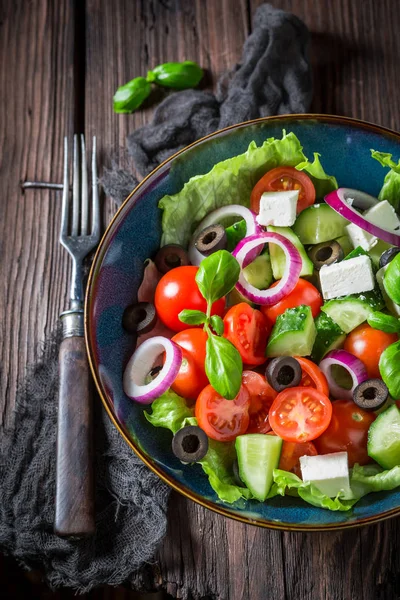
column 74, row 514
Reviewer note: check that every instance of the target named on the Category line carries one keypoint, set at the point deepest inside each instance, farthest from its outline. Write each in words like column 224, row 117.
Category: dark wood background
column 60, row 63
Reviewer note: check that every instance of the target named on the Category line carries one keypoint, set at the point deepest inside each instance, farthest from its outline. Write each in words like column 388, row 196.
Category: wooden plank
column 37, row 91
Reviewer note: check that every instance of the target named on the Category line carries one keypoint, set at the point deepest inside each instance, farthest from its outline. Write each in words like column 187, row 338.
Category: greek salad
column 268, row 329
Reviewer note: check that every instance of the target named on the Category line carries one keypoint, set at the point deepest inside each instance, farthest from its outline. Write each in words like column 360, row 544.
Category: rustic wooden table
column 60, row 63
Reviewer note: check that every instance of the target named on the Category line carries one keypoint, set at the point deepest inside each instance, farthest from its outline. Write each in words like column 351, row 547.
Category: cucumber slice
column 356, row 252
column 235, row 233
column 259, row 272
column 350, row 311
column 258, row 455
column 235, row 297
column 278, row 260
column 384, row 438
column 329, row 337
column 345, row 243
column 293, row 333
column 319, row 223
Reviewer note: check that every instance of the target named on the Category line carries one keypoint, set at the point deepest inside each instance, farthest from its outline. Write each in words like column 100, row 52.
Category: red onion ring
column 353, row 365
column 244, row 254
column 337, row 201
column 232, row 210
column 140, row 365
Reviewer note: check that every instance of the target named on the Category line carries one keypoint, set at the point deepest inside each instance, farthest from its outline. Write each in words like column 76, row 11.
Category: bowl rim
column 226, row 512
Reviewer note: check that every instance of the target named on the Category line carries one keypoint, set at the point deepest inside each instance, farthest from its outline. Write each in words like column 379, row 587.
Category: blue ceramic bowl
column 134, row 235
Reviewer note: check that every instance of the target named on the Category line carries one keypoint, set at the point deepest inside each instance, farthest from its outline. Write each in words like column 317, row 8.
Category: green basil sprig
column 216, row 277
column 386, row 323
column 130, row 96
column 389, row 369
column 391, row 279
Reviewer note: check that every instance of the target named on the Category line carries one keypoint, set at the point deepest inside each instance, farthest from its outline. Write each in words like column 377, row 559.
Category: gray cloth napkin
column 274, row 77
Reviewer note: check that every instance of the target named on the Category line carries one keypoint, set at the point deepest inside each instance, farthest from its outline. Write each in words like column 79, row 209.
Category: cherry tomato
column 303, row 293
column 348, row 431
column 312, row 376
column 282, row 179
column 221, row 419
column 262, row 396
column 300, row 414
column 248, row 330
column 192, row 377
column 367, row 344
column 291, row 453
column 178, row 290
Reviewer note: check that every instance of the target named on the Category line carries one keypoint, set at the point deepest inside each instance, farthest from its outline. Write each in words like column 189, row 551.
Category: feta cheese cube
column 359, row 237
column 328, row 472
column 278, row 208
column 350, row 276
column 383, row 215
column 392, row 306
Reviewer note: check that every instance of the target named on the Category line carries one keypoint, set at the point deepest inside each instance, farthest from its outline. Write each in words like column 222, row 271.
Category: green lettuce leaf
column 391, row 184
column 372, row 478
column 228, row 182
column 323, row 183
column 285, row 482
column 170, row 411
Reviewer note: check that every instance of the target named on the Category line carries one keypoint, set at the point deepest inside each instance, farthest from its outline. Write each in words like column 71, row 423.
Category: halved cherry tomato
column 282, row 179
column 178, row 290
column 222, row 419
column 262, row 396
column 291, row 453
column 348, row 432
column 303, row 293
column 312, row 376
column 367, row 344
column 191, row 378
column 300, row 414
column 248, row 330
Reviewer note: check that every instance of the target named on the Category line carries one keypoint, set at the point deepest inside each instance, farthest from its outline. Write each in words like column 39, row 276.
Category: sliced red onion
column 232, row 210
column 337, row 200
column 244, row 254
column 141, row 363
column 353, row 365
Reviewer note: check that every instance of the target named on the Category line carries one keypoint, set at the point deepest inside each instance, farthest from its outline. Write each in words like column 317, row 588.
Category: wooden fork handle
column 74, row 514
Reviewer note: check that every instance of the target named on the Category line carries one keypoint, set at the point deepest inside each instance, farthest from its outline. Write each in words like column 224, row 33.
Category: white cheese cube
column 383, row 215
column 350, row 276
column 391, row 306
column 278, row 208
column 328, row 472
column 359, row 237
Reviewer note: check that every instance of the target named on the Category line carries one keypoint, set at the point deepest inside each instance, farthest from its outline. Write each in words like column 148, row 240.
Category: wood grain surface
column 60, row 63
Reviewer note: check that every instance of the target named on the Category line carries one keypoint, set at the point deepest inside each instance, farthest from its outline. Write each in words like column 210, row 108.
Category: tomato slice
column 191, row 378
column 291, row 453
column 312, row 376
column 262, row 396
column 300, row 414
column 282, row 179
column 248, row 330
column 221, row 419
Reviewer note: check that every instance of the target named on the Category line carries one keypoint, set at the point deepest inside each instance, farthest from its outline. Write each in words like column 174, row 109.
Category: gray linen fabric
column 273, row 77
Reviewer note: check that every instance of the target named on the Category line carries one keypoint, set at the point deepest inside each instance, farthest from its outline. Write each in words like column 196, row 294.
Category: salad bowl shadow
column 134, row 235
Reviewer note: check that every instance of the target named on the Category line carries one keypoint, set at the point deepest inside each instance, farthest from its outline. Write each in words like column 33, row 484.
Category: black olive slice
column 388, row 256
column 170, row 256
column 190, row 444
column 139, row 318
column 371, row 394
column 211, row 239
column 326, row 253
column 283, row 372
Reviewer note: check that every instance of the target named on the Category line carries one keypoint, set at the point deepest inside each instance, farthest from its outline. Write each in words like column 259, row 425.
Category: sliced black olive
column 139, row 318
column 283, row 372
column 326, row 253
column 371, row 394
column 170, row 256
column 190, row 444
column 388, row 256
column 211, row 239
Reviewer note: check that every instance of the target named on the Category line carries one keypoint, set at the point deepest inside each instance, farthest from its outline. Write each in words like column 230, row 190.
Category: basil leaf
column 217, row 324
column 192, row 317
column 223, row 366
column 217, row 275
column 387, row 323
column 389, row 369
column 391, row 279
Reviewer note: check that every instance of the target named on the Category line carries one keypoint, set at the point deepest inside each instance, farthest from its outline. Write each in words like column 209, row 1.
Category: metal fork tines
column 77, row 235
